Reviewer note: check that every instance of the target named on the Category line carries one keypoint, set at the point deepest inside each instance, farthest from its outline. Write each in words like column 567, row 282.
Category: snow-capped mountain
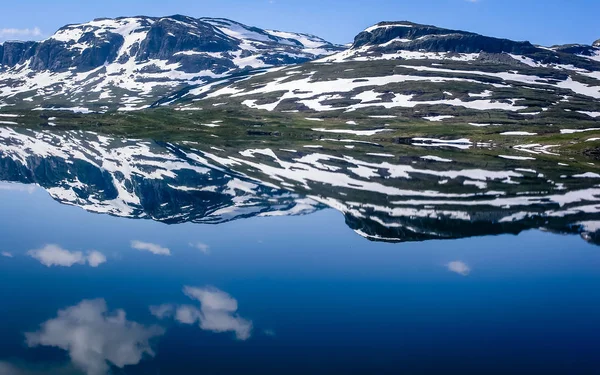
column 409, row 71
column 133, row 61
column 403, row 40
column 400, row 71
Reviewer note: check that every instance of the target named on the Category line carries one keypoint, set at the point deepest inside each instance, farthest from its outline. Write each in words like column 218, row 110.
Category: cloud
column 94, row 337
column 95, row 258
column 13, row 33
column 187, row 314
column 459, row 268
column 217, row 312
column 6, row 254
column 204, row 248
column 54, row 255
column 151, row 247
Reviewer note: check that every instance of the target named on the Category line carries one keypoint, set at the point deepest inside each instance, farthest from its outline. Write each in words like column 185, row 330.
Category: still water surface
column 191, row 268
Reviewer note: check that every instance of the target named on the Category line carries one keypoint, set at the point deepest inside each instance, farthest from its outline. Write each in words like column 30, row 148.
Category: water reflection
column 96, row 338
column 54, row 255
column 414, row 196
column 217, row 312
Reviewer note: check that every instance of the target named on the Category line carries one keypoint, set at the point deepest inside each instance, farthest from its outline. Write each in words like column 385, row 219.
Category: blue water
column 319, row 298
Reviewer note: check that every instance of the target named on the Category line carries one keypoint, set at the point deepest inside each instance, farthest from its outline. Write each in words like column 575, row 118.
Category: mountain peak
column 596, row 43
column 144, row 57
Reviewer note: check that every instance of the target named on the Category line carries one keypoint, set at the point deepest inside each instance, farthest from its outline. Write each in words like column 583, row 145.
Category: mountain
column 127, row 63
column 411, row 72
column 397, row 82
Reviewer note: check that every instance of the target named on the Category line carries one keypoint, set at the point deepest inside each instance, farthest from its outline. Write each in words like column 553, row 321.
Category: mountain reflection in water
column 414, row 196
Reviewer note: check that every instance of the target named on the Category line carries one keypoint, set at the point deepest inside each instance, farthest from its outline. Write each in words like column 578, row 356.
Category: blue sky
column 542, row 22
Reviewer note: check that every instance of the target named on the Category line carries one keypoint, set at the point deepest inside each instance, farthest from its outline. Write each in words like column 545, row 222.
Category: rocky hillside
column 394, row 75
column 414, row 72
column 127, row 63
column 591, row 52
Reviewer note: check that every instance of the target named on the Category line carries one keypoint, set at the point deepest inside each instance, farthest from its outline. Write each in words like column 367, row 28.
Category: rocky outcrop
column 13, row 53
column 388, row 38
column 414, row 37
column 169, row 36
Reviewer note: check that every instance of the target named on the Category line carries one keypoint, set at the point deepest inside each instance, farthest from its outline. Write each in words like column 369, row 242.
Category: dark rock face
column 100, row 53
column 435, row 39
column 13, row 53
column 169, row 36
column 596, row 43
column 390, row 37
column 576, row 49
column 52, row 54
column 193, row 43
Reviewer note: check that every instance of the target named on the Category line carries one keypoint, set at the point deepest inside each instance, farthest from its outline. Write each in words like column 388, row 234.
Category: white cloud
column 204, row 248
column 54, row 255
column 6, row 254
column 151, row 247
column 187, row 314
column 459, row 267
column 217, row 312
column 13, row 33
column 94, row 337
column 95, row 258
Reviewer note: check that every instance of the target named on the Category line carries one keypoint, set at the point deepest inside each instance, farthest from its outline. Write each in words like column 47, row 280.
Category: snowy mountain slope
column 590, row 52
column 400, row 70
column 134, row 61
column 412, row 71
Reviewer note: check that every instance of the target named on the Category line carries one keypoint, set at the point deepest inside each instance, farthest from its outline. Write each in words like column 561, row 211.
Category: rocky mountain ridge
column 134, row 60
column 406, row 72
column 401, row 71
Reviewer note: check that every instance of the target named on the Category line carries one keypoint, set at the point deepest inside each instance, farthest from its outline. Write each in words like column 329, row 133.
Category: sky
column 544, row 22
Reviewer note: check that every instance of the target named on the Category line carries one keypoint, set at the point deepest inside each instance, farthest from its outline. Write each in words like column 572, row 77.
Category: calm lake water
column 136, row 257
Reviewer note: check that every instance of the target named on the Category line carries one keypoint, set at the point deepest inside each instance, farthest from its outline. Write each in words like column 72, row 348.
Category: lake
column 126, row 256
